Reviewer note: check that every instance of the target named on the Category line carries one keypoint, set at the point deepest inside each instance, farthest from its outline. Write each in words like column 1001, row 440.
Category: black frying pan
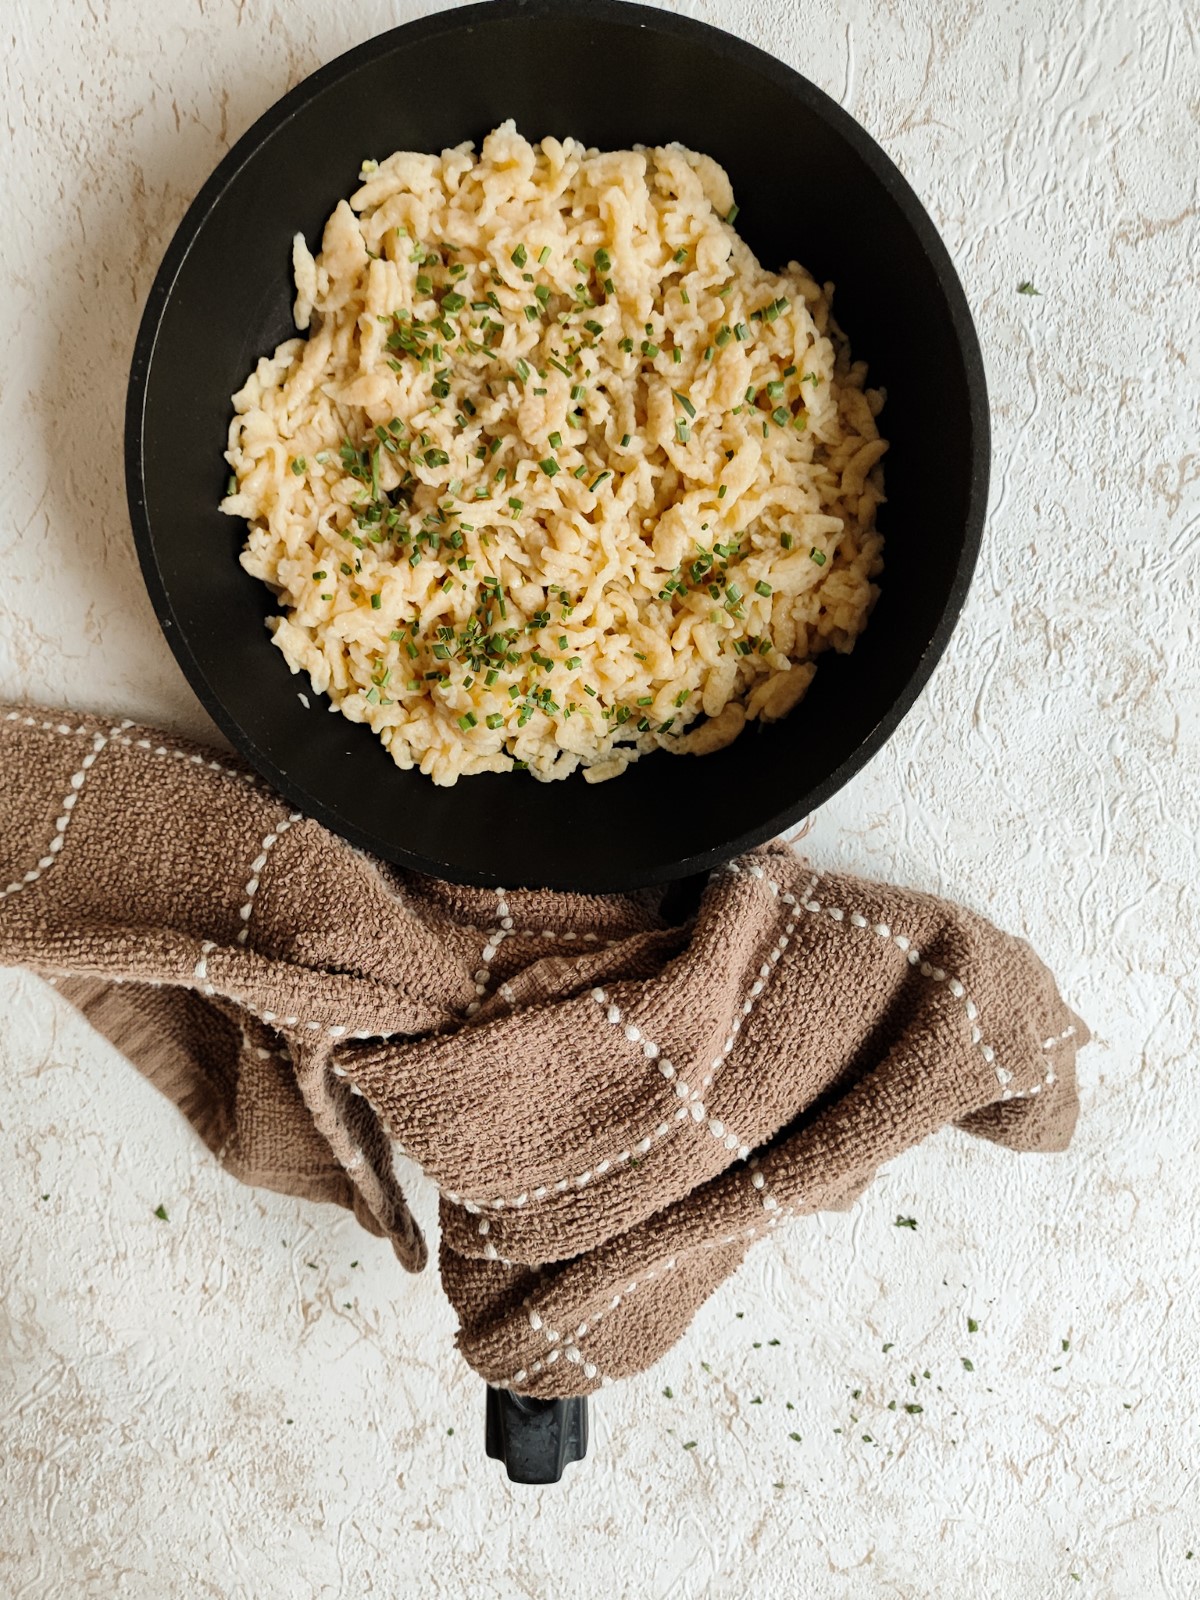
column 812, row 186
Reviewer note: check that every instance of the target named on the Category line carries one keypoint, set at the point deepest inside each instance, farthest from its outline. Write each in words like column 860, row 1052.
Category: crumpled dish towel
column 613, row 1108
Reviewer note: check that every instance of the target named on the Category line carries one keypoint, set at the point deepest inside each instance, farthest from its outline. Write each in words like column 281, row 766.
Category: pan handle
column 535, row 1439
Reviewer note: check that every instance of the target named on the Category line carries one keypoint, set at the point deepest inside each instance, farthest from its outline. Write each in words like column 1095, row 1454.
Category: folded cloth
column 612, row 1106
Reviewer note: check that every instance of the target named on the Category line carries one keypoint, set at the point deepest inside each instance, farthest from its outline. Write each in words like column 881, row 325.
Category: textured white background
column 253, row 1399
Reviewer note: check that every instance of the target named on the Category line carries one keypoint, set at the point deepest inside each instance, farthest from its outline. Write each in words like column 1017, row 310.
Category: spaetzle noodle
column 559, row 474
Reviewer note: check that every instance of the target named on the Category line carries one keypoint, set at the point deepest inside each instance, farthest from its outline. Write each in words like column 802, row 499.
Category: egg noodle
column 560, row 474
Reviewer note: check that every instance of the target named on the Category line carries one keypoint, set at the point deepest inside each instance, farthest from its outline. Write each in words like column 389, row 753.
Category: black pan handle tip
column 535, row 1439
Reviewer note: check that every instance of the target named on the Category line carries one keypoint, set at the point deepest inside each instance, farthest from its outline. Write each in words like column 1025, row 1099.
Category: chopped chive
column 577, row 391
column 376, row 602
column 598, row 480
column 593, row 327
column 740, row 331
column 776, row 388
column 549, row 466
column 724, row 334
column 781, row 416
column 785, row 540
column 734, row 592
column 682, row 432
column 574, row 661
column 522, row 369
column 542, row 291
column 543, row 255
column 519, row 257
column 708, row 353
column 436, row 458
column 531, row 313
column 453, row 301
column 515, row 504
column 763, row 588
column 580, row 470
column 467, row 721
column 556, row 441
column 495, row 720
column 587, row 689
column 817, row 556
column 627, row 346
column 625, row 438
column 789, row 371
column 685, row 297
column 731, row 215
column 317, row 576
column 603, row 260
column 649, row 348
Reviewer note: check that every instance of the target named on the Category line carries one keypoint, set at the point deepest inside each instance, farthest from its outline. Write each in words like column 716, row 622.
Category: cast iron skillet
column 812, row 186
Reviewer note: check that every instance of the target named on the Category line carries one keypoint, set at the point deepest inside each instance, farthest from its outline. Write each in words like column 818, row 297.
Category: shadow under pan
column 811, row 186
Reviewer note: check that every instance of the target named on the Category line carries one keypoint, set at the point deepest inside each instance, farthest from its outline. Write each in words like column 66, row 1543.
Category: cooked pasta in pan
column 559, row 474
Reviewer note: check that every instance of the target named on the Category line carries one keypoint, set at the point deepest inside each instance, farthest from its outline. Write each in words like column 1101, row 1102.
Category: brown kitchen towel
column 612, row 1107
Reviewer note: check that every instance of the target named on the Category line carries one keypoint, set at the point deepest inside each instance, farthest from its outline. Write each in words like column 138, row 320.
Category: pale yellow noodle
column 604, row 580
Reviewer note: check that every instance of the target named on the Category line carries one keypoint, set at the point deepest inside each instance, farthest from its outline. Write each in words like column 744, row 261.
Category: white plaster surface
column 252, row 1399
